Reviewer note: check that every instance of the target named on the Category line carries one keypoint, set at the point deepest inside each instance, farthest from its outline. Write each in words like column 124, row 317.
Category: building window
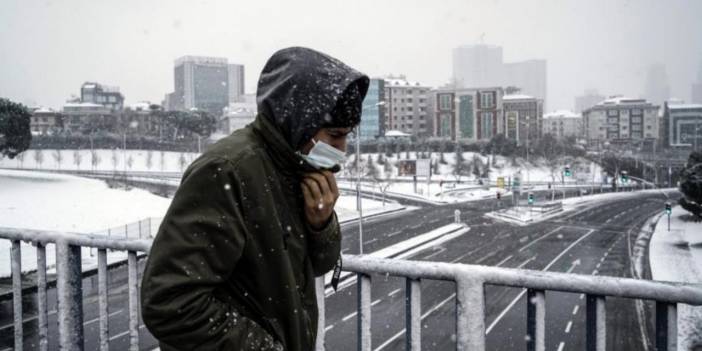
column 612, row 112
column 636, row 112
column 409, row 108
column 487, row 100
column 445, row 101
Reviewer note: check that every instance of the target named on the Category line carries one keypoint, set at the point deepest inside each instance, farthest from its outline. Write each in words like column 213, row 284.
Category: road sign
column 423, row 168
column 407, row 167
column 531, row 198
column 501, row 182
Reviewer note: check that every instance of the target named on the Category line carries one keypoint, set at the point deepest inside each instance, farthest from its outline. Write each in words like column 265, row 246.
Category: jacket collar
column 283, row 155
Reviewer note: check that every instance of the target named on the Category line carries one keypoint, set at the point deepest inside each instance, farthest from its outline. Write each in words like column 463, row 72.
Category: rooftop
column 562, row 114
column 517, row 97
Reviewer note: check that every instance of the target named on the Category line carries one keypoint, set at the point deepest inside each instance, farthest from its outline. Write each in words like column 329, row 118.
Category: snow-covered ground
column 47, row 201
column 168, row 161
column 676, row 255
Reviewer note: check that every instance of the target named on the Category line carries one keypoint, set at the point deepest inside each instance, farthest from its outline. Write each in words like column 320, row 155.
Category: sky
column 49, row 48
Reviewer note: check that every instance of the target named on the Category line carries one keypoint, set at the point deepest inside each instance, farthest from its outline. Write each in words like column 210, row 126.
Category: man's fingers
column 331, row 180
column 321, row 181
column 314, row 189
column 307, row 193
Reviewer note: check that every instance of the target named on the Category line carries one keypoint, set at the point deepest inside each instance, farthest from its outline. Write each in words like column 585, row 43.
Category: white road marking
column 595, row 272
column 109, row 315
column 349, row 316
column 328, row 327
column 542, row 237
column 575, row 309
column 582, row 296
column 370, row 241
column 503, row 261
column 394, row 233
column 567, row 329
column 561, row 346
column 375, row 302
column 525, row 262
column 504, row 312
column 394, row 292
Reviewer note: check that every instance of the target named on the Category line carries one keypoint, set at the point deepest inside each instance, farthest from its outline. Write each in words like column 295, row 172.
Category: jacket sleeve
column 197, row 246
column 325, row 246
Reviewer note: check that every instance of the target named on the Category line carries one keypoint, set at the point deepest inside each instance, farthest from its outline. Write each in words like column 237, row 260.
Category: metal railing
column 470, row 294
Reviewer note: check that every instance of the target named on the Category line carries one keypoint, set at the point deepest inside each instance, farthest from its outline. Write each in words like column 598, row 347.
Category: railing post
column 364, row 312
column 666, row 326
column 103, row 311
column 42, row 310
column 536, row 320
column 457, row 216
column 413, row 314
column 595, row 329
column 70, row 300
column 133, row 282
column 16, row 269
column 470, row 315
column 319, row 287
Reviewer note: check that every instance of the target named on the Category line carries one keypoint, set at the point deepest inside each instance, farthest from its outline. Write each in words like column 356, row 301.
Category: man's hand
column 320, row 192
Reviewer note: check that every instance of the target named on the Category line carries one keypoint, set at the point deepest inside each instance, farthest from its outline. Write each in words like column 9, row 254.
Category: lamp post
column 359, row 207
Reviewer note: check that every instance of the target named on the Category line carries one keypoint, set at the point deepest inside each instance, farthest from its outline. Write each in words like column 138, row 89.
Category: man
column 253, row 223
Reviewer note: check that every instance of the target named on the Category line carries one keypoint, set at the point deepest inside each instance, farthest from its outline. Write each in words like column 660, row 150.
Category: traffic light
column 567, row 172
column 625, row 177
column 668, row 208
column 499, row 195
column 531, row 198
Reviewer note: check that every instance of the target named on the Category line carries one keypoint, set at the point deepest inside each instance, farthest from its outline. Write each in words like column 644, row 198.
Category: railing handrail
column 520, row 278
column 530, row 279
column 44, row 237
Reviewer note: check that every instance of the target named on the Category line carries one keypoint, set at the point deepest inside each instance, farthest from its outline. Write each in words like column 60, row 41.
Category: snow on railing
column 470, row 294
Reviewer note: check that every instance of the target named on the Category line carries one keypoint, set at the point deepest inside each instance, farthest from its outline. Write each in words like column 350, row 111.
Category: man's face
column 335, row 137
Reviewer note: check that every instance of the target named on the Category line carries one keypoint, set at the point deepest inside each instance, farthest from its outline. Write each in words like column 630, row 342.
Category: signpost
column 668, row 211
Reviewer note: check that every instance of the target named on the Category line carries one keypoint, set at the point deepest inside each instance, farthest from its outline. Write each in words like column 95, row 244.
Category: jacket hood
column 302, row 90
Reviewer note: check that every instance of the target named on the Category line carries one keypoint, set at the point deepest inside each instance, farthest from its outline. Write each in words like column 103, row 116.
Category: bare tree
column 130, row 161
column 58, row 157
column 20, row 158
column 77, row 158
column 163, row 160
column 38, row 157
column 385, row 182
column 182, row 161
column 115, row 160
column 149, row 159
column 94, row 159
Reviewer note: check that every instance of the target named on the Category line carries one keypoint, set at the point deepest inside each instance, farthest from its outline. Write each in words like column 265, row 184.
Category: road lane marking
column 439, row 250
column 542, row 237
column 349, row 316
column 375, row 302
column 394, row 292
column 394, row 233
column 504, row 312
column 561, row 346
column 503, row 261
column 98, row 318
column 567, row 329
column 344, row 250
column 426, row 314
column 370, row 241
column 575, row 309
column 328, row 328
column 525, row 262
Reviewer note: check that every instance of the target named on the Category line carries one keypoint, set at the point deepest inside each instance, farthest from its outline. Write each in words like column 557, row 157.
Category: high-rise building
column 108, row 96
column 697, row 88
column 468, row 114
column 205, row 83
column 589, row 99
column 522, row 117
column 236, row 83
column 621, row 120
column 682, row 124
column 406, row 106
column 482, row 65
column 657, row 87
column 372, row 121
column 477, row 66
column 529, row 76
column 563, row 124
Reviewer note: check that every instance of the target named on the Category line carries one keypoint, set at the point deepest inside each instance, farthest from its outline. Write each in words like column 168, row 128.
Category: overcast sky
column 49, row 48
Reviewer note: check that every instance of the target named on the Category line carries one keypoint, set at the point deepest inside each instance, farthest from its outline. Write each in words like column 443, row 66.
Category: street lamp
column 359, row 207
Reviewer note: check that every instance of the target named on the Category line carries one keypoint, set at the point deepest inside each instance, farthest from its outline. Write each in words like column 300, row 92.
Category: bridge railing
column 470, row 294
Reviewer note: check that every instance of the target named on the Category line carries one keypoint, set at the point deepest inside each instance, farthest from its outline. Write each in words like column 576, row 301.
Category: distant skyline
column 49, row 48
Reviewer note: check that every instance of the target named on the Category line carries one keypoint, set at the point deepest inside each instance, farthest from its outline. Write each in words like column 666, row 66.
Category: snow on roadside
column 676, row 256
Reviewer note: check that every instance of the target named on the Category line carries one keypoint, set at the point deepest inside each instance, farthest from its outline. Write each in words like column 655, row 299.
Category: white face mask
column 324, row 156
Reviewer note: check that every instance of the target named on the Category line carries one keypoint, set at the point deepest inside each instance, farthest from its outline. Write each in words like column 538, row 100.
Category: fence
column 470, row 294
